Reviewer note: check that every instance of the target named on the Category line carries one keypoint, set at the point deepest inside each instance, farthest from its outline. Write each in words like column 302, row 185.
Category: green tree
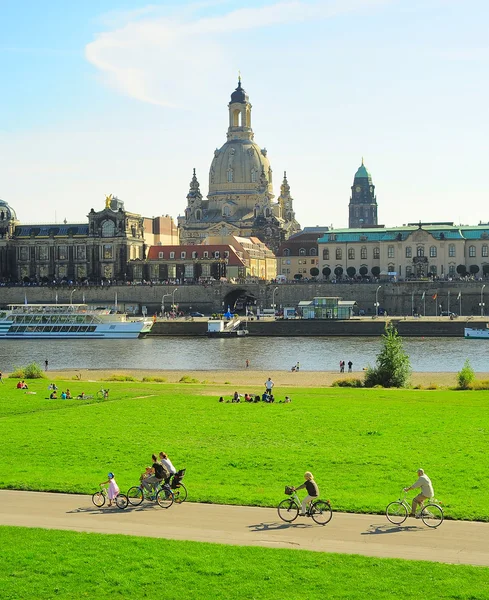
column 314, row 271
column 326, row 272
column 392, row 368
column 466, row 376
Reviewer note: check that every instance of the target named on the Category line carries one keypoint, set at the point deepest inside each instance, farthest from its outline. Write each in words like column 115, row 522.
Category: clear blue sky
column 126, row 97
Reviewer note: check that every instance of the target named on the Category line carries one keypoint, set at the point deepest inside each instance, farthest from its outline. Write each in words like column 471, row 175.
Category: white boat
column 46, row 321
column 472, row 333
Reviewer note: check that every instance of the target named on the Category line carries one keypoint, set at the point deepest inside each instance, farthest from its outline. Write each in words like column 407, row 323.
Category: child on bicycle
column 113, row 490
column 312, row 490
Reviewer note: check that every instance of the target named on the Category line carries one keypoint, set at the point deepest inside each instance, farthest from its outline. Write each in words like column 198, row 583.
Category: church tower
column 363, row 202
column 286, row 202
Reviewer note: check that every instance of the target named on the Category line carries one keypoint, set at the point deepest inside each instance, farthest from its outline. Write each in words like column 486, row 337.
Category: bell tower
column 363, row 201
column 240, row 115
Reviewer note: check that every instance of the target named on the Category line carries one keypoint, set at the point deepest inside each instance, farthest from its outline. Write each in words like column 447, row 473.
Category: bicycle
column 178, row 488
column 431, row 513
column 162, row 495
column 288, row 510
column 103, row 394
column 100, row 497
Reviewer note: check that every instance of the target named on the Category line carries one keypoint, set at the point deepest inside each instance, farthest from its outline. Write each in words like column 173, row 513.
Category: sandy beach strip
column 250, row 377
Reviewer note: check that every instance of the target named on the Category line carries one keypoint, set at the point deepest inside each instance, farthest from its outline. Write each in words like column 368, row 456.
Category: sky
column 126, row 97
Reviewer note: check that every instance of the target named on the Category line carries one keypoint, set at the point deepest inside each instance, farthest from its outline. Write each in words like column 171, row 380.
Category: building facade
column 441, row 250
column 240, row 200
column 363, row 201
column 297, row 256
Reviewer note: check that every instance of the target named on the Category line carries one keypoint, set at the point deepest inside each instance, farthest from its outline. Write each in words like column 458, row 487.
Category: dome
column 239, row 95
column 362, row 173
column 238, row 167
column 6, row 212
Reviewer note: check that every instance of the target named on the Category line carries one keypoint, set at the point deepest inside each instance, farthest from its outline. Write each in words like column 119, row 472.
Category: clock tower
column 363, row 202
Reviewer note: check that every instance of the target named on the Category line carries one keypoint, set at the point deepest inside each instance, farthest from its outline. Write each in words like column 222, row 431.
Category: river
column 177, row 353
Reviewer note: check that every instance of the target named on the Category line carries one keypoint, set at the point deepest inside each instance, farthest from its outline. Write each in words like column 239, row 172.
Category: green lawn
column 43, row 564
column 362, row 445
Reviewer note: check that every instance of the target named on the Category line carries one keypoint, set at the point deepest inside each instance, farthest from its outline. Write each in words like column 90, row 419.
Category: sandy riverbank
column 249, row 376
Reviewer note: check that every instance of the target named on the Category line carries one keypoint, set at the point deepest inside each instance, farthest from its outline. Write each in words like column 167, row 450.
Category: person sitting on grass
column 68, row 394
column 312, row 490
column 81, row 396
column 113, row 490
column 19, row 385
column 53, row 395
column 63, row 395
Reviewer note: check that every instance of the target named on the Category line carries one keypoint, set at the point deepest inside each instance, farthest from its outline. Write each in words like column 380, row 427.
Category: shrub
column 466, row 376
column 155, row 379
column 30, row 371
column 392, row 364
column 480, row 385
column 120, row 378
column 352, row 383
column 188, row 379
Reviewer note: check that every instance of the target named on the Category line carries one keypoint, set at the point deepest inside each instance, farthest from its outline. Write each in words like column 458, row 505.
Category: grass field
column 45, row 564
column 362, row 445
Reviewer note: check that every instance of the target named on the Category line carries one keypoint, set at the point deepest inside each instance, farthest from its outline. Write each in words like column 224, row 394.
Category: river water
column 177, row 353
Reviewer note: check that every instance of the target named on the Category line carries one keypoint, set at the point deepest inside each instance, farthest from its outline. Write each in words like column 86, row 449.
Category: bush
column 155, row 379
column 480, row 385
column 30, row 371
column 392, row 365
column 120, row 378
column 188, row 379
column 352, row 383
column 466, row 376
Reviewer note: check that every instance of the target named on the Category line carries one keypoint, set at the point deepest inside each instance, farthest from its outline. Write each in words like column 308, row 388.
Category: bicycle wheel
column 121, row 501
column 135, row 496
column 396, row 512
column 164, row 498
column 321, row 512
column 98, row 499
column 288, row 510
column 432, row 515
column 180, row 494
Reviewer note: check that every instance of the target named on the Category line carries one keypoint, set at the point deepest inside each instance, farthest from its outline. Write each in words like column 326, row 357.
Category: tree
column 466, row 376
column 338, row 272
column 326, row 272
column 363, row 271
column 392, row 367
column 485, row 269
column 351, row 271
column 474, row 269
column 462, row 270
column 375, row 271
column 314, row 272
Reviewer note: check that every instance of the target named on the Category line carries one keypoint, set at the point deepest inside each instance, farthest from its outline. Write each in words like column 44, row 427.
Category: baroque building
column 363, row 202
column 240, row 200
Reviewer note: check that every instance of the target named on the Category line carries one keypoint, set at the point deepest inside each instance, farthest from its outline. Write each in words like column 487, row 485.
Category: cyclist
column 312, row 491
column 423, row 482
column 158, row 473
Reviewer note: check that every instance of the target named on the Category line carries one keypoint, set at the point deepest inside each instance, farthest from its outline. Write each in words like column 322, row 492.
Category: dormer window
column 161, row 255
column 194, row 254
column 172, row 254
column 183, row 254
column 206, row 254
column 302, row 251
column 225, row 211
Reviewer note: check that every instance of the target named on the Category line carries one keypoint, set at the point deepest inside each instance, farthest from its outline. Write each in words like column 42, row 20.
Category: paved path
column 370, row 535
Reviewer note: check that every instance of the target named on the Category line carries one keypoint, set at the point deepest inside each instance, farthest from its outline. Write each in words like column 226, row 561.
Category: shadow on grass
column 277, row 526
column 388, row 528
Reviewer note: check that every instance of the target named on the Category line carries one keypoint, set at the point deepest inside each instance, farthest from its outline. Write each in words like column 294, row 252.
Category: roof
column 401, row 234
column 55, row 229
column 233, row 258
column 362, row 173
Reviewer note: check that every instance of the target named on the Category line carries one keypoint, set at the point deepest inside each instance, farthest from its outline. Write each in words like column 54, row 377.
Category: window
column 81, row 252
column 24, row 253
column 312, row 252
column 351, row 253
column 230, row 175
column 194, row 254
column 472, row 251
column 302, row 251
column 44, row 253
column 161, row 254
column 287, row 252
column 198, row 215
column 326, row 254
column 363, row 253
column 451, row 250
column 253, row 175
column 107, row 251
column 485, row 250
column 206, row 254
column 420, row 251
column 433, row 252
column 376, row 253
column 183, row 254
column 108, row 228
column 339, row 254
column 409, row 271
column 226, row 253
column 217, row 254
column 409, row 252
column 172, row 254
column 390, row 252
column 62, row 253
column 225, row 211
column 433, row 270
column 451, row 269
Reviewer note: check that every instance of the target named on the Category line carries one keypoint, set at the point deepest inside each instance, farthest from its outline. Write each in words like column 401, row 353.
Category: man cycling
column 423, row 482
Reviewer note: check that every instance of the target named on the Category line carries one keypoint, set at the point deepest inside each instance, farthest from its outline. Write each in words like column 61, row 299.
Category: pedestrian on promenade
column 342, row 366
column 297, row 366
column 350, row 365
column 247, row 363
column 46, row 364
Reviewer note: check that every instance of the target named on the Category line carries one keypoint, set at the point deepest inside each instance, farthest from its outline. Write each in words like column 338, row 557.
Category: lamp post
column 71, row 295
column 377, row 300
column 173, row 298
column 163, row 304
column 273, row 297
column 482, row 300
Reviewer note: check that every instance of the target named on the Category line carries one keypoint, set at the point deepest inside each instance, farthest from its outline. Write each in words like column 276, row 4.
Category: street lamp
column 482, row 300
column 273, row 297
column 71, row 295
column 163, row 304
column 173, row 298
column 377, row 300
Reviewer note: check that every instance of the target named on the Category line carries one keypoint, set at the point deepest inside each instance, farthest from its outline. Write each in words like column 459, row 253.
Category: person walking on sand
column 342, row 366
column 46, row 364
column 247, row 363
column 350, row 365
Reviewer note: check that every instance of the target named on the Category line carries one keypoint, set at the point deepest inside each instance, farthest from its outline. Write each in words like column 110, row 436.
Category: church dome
column 7, row 213
column 362, row 173
column 239, row 95
column 239, row 166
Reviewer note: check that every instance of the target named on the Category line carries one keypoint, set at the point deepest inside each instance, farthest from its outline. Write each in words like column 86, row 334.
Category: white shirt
column 269, row 384
column 424, row 482
column 166, row 462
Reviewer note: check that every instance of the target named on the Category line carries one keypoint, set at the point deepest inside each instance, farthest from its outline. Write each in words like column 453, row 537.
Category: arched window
column 339, row 254
column 351, row 253
column 230, row 175
column 433, row 252
column 376, row 253
column 302, row 251
column 472, row 251
column 312, row 252
column 286, row 252
column 183, row 254
column 225, row 211
column 267, row 212
column 485, row 252
column 194, row 254
column 108, row 228
column 198, row 215
column 325, row 253
column 420, row 251
column 451, row 250
column 253, row 175
column 409, row 252
column 390, row 251
column 237, row 118
column 363, row 253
